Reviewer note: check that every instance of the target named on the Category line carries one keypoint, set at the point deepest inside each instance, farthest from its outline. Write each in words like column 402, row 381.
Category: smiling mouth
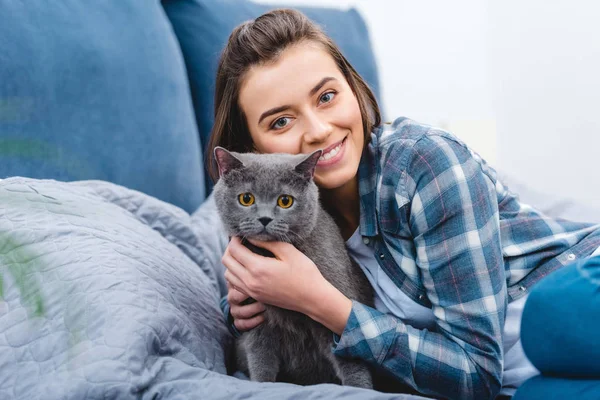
column 332, row 154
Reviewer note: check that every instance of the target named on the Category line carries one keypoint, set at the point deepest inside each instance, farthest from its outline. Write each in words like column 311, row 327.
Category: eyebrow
column 320, row 84
column 285, row 107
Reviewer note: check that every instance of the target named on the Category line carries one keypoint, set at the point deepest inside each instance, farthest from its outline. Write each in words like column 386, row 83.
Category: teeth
column 331, row 153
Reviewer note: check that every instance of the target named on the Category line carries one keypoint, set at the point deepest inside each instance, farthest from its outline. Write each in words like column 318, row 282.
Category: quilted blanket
column 111, row 294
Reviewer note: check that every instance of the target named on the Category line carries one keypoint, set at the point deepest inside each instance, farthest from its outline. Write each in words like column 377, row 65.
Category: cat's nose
column 265, row 220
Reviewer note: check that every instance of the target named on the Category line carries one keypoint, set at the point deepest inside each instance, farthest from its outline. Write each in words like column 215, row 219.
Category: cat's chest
column 282, row 318
column 291, row 323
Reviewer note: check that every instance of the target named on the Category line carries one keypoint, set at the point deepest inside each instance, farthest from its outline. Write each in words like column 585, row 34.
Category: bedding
column 128, row 300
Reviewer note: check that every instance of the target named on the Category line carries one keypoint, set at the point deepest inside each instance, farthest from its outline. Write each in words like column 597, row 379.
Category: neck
column 343, row 204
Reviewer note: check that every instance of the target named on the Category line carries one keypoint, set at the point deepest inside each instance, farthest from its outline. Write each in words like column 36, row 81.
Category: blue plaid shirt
column 454, row 239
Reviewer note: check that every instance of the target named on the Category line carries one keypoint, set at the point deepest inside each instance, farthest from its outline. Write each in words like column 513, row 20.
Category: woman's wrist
column 329, row 307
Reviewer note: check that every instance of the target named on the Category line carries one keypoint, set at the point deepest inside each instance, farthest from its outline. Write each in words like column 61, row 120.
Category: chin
column 262, row 236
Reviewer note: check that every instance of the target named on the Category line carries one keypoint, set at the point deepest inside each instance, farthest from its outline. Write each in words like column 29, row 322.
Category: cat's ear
column 226, row 161
column 307, row 167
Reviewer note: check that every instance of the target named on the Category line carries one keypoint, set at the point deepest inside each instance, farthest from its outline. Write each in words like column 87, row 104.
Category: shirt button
column 381, row 256
column 421, row 296
column 522, row 288
column 366, row 240
column 571, row 257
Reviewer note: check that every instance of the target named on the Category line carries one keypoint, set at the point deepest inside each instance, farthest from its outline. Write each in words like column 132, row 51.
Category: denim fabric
column 560, row 329
column 549, row 388
column 97, row 90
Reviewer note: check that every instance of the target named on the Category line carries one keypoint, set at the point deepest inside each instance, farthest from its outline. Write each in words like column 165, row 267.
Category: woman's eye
column 327, row 97
column 280, row 123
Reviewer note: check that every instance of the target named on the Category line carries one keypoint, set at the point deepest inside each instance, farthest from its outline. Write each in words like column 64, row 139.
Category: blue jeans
column 560, row 333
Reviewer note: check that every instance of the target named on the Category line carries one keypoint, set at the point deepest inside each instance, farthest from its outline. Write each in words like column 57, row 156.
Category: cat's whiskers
column 248, row 227
column 283, row 232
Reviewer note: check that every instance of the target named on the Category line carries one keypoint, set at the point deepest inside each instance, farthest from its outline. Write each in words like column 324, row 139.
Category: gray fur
column 290, row 346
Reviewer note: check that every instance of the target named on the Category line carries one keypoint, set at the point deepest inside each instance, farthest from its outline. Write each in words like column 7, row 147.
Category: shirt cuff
column 229, row 318
column 368, row 334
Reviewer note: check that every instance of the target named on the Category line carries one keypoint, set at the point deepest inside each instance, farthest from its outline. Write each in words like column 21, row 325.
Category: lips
column 333, row 158
column 333, row 146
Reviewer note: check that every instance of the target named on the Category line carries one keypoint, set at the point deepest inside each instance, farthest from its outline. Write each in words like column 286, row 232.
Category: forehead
column 265, row 180
column 288, row 79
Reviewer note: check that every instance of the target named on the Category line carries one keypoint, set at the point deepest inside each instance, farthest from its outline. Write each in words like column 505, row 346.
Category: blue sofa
column 122, row 91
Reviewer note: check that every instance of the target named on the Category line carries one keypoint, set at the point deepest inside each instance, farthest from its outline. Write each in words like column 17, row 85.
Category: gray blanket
column 111, row 294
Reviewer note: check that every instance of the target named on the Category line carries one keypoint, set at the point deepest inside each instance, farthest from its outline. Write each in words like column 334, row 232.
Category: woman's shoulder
column 405, row 145
column 405, row 132
column 403, row 136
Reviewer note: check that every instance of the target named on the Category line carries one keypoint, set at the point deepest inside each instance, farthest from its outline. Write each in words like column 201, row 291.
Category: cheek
column 287, row 142
column 350, row 111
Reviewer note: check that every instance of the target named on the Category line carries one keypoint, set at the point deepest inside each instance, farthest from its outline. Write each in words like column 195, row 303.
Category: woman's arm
column 454, row 223
column 329, row 307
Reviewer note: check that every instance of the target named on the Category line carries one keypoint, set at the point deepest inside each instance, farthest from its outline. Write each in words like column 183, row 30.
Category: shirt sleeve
column 454, row 222
column 229, row 318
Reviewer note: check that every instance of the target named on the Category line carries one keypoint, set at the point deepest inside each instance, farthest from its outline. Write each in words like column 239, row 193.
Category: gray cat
column 273, row 197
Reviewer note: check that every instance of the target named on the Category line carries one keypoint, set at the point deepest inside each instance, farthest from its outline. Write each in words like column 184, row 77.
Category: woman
column 450, row 251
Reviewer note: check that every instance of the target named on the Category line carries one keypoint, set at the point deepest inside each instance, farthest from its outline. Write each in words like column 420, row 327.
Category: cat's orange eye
column 246, row 199
column 285, row 201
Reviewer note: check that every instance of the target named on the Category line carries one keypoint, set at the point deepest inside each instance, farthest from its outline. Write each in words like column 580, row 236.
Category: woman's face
column 302, row 103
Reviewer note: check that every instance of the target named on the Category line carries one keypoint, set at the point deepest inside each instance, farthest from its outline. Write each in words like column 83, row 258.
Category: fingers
column 277, row 248
column 236, row 284
column 244, row 255
column 245, row 317
column 247, row 312
column 235, row 268
column 235, row 297
column 247, row 324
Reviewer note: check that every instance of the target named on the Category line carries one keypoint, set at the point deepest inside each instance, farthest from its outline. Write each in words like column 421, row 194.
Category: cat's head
column 267, row 196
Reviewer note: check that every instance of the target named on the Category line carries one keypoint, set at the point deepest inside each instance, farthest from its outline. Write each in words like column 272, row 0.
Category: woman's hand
column 245, row 316
column 290, row 280
column 286, row 281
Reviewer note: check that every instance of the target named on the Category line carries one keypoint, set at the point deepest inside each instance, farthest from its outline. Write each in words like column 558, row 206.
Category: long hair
column 261, row 41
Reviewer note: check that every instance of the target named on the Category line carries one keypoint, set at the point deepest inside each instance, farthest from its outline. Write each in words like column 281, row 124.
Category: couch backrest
column 97, row 90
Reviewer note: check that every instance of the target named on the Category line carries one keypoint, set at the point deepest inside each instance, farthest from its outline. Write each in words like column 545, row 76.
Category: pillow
column 97, row 90
column 203, row 27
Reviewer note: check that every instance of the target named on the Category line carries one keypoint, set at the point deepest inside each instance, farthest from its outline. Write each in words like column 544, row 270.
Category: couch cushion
column 97, row 90
column 203, row 27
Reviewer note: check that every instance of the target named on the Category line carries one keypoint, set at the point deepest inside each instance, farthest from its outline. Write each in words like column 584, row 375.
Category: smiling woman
column 450, row 252
column 305, row 111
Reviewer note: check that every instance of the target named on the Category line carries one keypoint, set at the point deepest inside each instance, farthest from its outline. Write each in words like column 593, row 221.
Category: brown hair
column 261, row 41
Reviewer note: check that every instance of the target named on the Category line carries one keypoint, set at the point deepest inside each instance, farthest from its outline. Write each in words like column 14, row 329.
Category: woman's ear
column 226, row 161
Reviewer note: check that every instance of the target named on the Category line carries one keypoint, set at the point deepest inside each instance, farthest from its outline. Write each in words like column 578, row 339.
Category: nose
column 318, row 128
column 265, row 220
